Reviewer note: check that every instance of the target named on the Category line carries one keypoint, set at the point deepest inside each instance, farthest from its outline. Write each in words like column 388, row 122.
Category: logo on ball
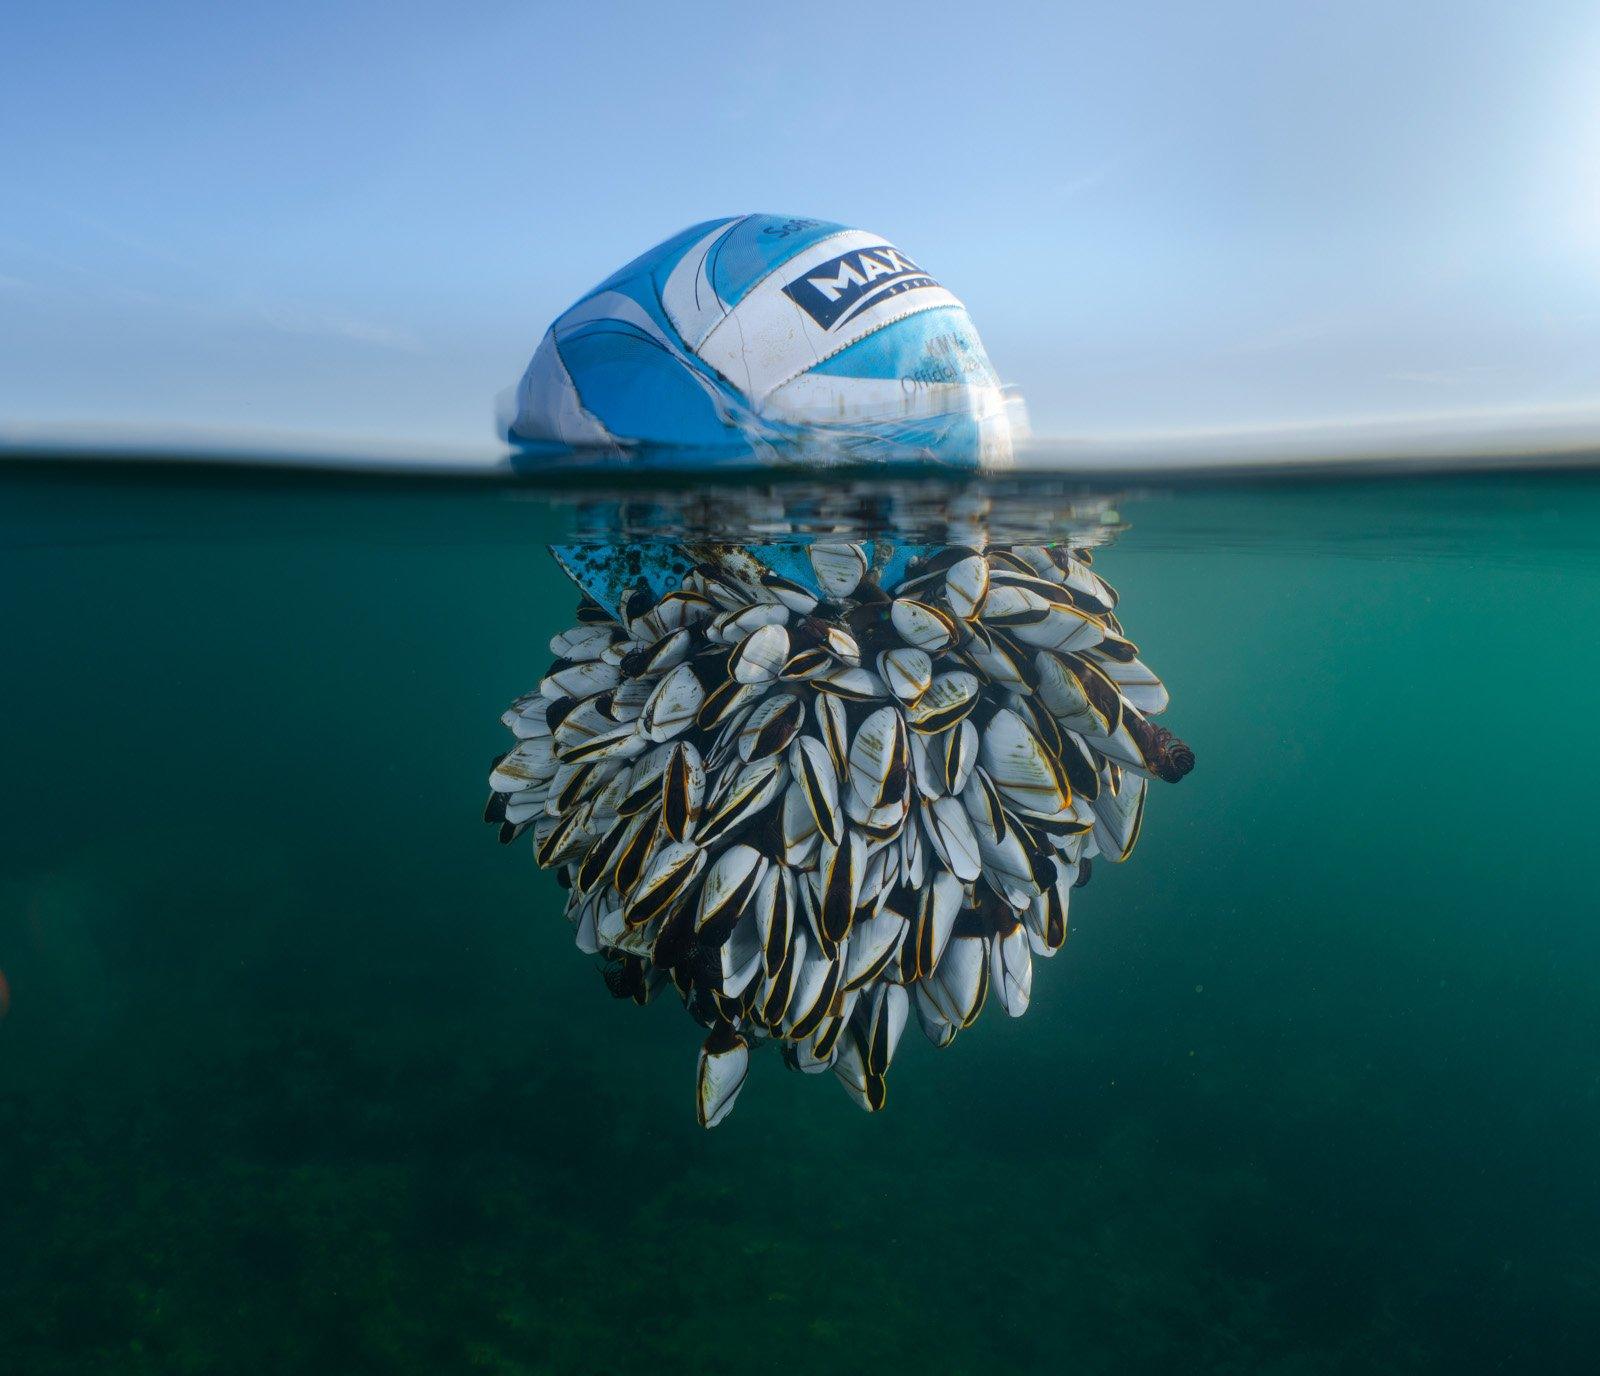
column 844, row 286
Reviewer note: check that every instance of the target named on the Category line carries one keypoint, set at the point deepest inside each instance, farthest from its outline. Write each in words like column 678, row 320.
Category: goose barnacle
column 724, row 1063
column 672, row 705
column 921, row 626
column 813, row 769
column 947, row 700
column 839, row 568
column 771, row 726
column 907, row 671
column 755, row 786
column 761, row 655
column 814, row 788
column 966, row 586
column 683, row 790
column 878, row 758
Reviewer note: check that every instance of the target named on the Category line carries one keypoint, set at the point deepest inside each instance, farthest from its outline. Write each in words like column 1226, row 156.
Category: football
column 761, row 329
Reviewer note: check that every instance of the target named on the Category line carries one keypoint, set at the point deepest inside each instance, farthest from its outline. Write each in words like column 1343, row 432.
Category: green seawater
column 302, row 1072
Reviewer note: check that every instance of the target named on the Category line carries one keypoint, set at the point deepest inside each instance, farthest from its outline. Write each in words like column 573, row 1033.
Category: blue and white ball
column 763, row 329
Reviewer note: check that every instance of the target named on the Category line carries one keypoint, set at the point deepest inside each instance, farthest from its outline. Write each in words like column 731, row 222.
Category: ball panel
column 640, row 391
column 547, row 403
column 936, row 345
column 700, row 285
column 823, row 300
column 759, row 244
column 660, row 258
column 687, row 295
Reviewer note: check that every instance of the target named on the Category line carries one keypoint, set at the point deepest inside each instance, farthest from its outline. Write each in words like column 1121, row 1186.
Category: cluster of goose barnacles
column 813, row 804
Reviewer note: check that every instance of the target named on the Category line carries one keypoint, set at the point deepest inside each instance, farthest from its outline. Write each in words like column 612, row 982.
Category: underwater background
column 301, row 1071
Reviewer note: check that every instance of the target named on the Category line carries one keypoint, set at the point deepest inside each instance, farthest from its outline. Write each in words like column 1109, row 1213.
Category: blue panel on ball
column 639, row 390
column 757, row 244
column 932, row 346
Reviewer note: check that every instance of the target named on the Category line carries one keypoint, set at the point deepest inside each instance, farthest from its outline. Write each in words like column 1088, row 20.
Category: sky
column 355, row 220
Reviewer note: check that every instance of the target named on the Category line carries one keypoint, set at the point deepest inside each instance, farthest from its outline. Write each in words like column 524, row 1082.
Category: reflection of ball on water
column 763, row 327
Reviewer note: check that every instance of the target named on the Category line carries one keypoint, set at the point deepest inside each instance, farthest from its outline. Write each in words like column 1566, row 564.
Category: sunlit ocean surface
column 302, row 1071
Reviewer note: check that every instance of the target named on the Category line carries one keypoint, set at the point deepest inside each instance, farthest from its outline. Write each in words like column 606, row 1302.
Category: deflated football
column 765, row 328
